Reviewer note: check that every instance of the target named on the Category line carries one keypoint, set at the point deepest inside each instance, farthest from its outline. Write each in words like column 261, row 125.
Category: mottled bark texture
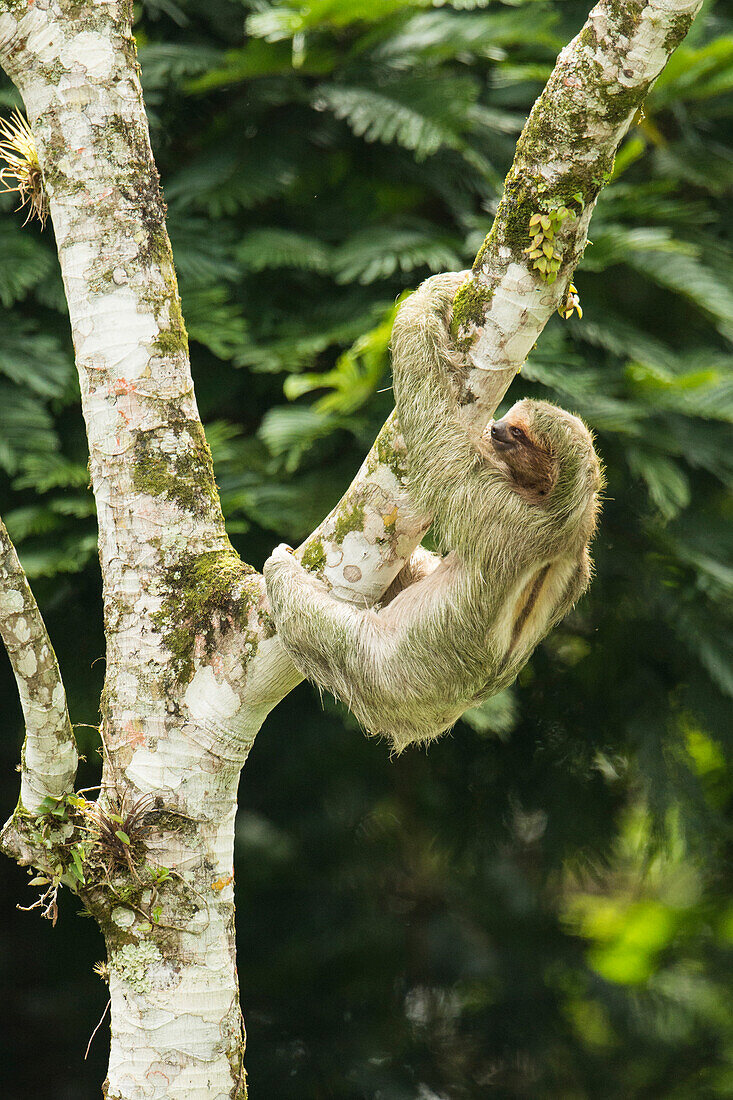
column 564, row 157
column 48, row 760
column 193, row 666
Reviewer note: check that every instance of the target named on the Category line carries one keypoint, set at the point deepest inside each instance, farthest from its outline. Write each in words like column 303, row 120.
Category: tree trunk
column 193, row 666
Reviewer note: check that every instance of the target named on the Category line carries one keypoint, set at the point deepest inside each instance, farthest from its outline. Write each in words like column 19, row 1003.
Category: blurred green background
column 540, row 906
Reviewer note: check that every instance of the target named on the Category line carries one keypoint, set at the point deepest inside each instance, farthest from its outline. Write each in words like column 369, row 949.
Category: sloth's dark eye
column 517, row 433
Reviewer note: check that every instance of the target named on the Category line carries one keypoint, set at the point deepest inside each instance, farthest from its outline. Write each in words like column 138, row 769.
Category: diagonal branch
column 49, row 756
column 564, row 158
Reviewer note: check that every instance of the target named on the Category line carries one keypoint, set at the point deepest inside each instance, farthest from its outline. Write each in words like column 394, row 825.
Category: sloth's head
column 548, row 457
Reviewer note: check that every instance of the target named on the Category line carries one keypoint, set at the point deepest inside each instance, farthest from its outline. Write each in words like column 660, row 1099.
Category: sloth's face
column 516, row 448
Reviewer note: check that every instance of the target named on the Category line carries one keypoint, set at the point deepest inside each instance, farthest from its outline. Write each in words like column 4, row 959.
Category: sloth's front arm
column 387, row 665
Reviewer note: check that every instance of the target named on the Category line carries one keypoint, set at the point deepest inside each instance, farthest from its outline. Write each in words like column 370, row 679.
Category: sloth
column 513, row 511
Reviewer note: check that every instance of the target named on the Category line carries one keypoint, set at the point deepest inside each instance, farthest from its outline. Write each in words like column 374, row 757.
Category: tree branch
column 564, row 157
column 158, row 508
column 49, row 755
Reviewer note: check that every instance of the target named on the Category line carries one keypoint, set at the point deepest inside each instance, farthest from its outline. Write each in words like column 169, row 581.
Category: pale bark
column 193, row 666
column 49, row 757
column 564, row 156
column 175, row 1020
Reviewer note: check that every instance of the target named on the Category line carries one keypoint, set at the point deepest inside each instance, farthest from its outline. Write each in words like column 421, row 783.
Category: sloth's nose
column 500, row 432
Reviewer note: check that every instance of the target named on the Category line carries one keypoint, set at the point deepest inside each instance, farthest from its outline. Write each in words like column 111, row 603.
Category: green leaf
column 379, row 253
column 44, row 471
column 443, row 35
column 286, row 21
column 77, row 865
column 692, row 75
column 288, row 431
column 689, row 279
column 166, row 63
column 356, row 375
column 214, row 320
column 259, row 59
column 47, row 805
column 26, row 428
column 274, row 248
column 227, row 180
column 668, row 486
column 417, row 112
column 65, row 555
column 34, row 359
column 202, row 258
column 496, row 716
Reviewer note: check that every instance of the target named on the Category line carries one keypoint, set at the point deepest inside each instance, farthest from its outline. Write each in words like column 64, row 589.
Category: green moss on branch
column 185, row 477
column 206, row 595
column 314, row 555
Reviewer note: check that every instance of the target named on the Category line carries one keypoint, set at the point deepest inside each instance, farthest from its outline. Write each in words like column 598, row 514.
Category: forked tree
column 193, row 664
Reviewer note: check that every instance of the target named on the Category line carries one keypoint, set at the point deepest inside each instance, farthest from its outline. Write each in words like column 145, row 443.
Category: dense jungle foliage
column 540, row 906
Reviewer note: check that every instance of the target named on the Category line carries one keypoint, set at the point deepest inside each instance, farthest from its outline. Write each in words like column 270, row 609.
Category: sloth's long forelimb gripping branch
column 49, row 757
column 385, row 665
column 441, row 451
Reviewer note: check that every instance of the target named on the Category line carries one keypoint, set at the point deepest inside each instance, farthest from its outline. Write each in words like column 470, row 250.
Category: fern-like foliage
column 269, row 248
column 411, row 111
column 380, row 254
column 357, row 372
column 24, row 263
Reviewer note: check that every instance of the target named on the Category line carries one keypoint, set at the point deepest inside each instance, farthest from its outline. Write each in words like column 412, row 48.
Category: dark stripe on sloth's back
column 526, row 610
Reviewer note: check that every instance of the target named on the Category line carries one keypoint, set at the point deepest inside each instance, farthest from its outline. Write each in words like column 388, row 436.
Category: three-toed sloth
column 513, row 511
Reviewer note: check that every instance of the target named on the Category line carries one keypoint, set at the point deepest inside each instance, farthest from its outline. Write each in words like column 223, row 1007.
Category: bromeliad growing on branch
column 22, row 172
column 193, row 661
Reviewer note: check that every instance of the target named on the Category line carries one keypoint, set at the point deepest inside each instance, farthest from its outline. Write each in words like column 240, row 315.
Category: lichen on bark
column 183, row 473
column 204, row 596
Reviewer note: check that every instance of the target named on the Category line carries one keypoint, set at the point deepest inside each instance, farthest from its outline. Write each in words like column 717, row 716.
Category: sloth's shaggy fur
column 513, row 511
